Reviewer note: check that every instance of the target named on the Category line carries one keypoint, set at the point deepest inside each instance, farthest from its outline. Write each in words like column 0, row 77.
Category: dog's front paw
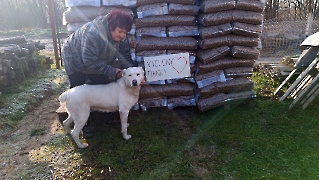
column 83, row 145
column 127, row 136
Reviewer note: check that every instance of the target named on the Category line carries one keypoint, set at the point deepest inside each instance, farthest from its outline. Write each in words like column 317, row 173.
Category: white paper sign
column 167, row 67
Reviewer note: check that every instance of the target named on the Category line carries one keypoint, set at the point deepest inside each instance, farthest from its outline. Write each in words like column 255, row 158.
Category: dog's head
column 133, row 76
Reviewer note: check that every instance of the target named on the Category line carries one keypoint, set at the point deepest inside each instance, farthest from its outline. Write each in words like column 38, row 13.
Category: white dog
column 116, row 96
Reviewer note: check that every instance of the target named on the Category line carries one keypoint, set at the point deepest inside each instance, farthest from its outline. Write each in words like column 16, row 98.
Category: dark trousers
column 79, row 78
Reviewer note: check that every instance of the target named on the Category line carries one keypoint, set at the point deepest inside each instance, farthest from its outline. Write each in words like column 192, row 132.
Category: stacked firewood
column 17, row 59
column 278, row 70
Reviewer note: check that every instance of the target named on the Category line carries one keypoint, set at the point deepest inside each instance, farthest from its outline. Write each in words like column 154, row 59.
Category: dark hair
column 118, row 18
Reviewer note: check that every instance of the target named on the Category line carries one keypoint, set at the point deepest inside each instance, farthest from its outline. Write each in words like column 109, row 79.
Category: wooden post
column 54, row 34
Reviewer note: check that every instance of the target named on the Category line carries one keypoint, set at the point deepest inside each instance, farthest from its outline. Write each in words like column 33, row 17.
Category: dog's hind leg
column 78, row 125
column 67, row 123
column 124, row 124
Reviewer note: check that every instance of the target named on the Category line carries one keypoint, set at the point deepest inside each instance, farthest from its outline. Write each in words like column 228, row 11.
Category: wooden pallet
column 300, row 82
column 250, row 102
column 308, row 94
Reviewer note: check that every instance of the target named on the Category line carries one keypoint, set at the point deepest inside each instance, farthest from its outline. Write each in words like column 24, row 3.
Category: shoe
column 87, row 132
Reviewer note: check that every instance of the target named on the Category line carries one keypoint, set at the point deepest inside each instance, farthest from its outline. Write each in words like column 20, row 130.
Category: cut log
column 14, row 40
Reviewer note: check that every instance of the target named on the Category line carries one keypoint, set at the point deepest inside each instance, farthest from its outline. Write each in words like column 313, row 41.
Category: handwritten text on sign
column 167, row 66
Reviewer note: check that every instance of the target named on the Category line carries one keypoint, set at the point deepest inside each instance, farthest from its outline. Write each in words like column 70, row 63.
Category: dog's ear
column 142, row 70
column 123, row 72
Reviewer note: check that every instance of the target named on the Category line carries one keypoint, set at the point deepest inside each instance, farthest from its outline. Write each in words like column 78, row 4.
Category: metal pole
column 54, row 35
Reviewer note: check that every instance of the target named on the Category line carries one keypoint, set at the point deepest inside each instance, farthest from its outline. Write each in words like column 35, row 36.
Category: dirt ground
column 17, row 145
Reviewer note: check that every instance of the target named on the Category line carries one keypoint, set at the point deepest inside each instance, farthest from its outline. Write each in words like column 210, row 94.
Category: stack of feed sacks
column 229, row 33
column 162, row 28
column 80, row 12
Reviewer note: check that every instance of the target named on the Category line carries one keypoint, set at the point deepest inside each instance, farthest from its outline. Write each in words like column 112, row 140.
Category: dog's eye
column 129, row 75
column 137, row 74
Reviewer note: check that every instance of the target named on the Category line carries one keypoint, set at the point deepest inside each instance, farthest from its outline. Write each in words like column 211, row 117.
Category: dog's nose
column 134, row 82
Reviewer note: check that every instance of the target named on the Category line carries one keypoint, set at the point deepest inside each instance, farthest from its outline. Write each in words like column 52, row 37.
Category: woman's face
column 118, row 34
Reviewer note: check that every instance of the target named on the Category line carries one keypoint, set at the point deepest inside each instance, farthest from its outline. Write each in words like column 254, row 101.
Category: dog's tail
column 63, row 97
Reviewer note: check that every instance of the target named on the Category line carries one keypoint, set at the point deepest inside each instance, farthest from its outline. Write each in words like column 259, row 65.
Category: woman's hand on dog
column 118, row 73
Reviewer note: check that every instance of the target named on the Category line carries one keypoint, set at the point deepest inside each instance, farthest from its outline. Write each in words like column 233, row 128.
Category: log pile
column 278, row 70
column 17, row 59
column 221, row 36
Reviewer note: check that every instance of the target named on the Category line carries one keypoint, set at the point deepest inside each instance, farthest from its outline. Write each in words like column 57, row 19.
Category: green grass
column 264, row 141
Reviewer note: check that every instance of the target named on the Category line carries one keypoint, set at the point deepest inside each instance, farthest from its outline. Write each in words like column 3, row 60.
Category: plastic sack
column 152, row 10
column 143, row 2
column 213, row 31
column 207, row 56
column 251, row 5
column 151, row 31
column 179, row 31
column 88, row 13
column 206, row 79
column 221, row 99
column 228, row 40
column 180, row 80
column 223, row 63
column 146, row 103
column 183, row 9
column 212, row 102
column 235, row 85
column 180, row 101
column 127, row 3
column 155, row 82
column 166, row 20
column 156, row 43
column 72, row 3
column 248, row 17
column 247, row 29
column 230, row 16
column 175, row 89
column 242, row 95
column 245, row 52
column 209, row 6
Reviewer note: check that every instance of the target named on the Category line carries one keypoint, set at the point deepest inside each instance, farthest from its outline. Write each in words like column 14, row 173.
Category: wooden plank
column 309, row 94
column 284, row 82
column 306, row 93
column 251, row 103
column 305, row 105
column 302, row 85
column 299, row 78
column 267, row 61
